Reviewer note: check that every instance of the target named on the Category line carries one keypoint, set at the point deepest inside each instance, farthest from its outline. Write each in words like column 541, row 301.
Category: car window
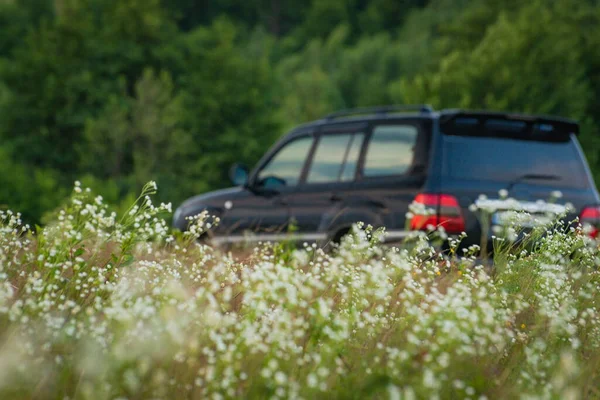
column 286, row 165
column 512, row 152
column 349, row 169
column 509, row 160
column 390, row 150
column 335, row 158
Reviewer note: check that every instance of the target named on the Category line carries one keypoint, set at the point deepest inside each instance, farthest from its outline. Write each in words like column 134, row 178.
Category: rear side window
column 336, row 158
column 509, row 160
column 391, row 150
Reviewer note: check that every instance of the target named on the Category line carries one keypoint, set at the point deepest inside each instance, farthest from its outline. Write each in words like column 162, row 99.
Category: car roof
column 313, row 125
column 383, row 113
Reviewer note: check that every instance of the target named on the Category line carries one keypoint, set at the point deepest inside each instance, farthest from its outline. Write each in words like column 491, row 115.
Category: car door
column 392, row 171
column 262, row 211
column 318, row 199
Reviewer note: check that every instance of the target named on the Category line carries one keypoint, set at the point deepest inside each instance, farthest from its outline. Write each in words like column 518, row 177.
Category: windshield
column 512, row 161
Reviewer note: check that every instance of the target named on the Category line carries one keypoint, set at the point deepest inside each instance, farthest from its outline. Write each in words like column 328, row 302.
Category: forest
column 115, row 93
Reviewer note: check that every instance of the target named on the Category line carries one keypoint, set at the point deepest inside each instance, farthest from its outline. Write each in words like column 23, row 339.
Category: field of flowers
column 100, row 306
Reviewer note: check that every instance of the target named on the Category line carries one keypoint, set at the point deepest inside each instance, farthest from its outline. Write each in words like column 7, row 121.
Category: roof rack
column 423, row 108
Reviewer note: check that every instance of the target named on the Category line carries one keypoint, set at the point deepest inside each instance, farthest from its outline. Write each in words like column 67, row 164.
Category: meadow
column 96, row 305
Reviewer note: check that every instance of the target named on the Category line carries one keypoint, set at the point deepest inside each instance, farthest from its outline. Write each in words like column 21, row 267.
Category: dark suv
column 370, row 164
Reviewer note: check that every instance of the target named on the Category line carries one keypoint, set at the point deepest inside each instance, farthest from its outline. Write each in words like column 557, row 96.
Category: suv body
column 369, row 165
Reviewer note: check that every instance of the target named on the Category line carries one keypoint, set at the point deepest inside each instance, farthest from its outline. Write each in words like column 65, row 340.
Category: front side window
column 336, row 158
column 391, row 150
column 286, row 165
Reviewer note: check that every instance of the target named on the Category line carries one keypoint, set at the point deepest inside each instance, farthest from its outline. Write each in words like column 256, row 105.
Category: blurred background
column 119, row 92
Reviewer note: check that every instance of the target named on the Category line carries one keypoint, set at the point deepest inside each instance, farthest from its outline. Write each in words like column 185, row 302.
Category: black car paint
column 467, row 191
column 323, row 211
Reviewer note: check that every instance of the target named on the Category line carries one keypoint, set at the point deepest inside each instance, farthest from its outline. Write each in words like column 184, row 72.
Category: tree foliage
column 117, row 92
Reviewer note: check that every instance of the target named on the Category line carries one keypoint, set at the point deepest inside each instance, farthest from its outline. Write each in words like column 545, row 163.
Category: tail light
column 591, row 216
column 446, row 213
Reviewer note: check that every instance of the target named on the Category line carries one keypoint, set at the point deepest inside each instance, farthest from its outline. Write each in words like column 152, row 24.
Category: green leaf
column 127, row 260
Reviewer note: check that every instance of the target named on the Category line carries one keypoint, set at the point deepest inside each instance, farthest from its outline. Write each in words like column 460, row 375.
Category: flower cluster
column 100, row 306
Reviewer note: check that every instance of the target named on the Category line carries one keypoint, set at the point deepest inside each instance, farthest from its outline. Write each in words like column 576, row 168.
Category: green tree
column 141, row 138
column 531, row 62
column 68, row 67
column 227, row 94
column 28, row 190
column 16, row 17
column 535, row 58
column 118, row 92
column 106, row 147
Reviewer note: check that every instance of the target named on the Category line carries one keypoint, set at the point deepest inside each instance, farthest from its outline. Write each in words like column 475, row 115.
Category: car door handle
column 376, row 203
column 335, row 197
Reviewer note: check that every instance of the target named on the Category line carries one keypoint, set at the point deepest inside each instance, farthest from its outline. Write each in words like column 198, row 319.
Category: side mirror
column 272, row 182
column 238, row 173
